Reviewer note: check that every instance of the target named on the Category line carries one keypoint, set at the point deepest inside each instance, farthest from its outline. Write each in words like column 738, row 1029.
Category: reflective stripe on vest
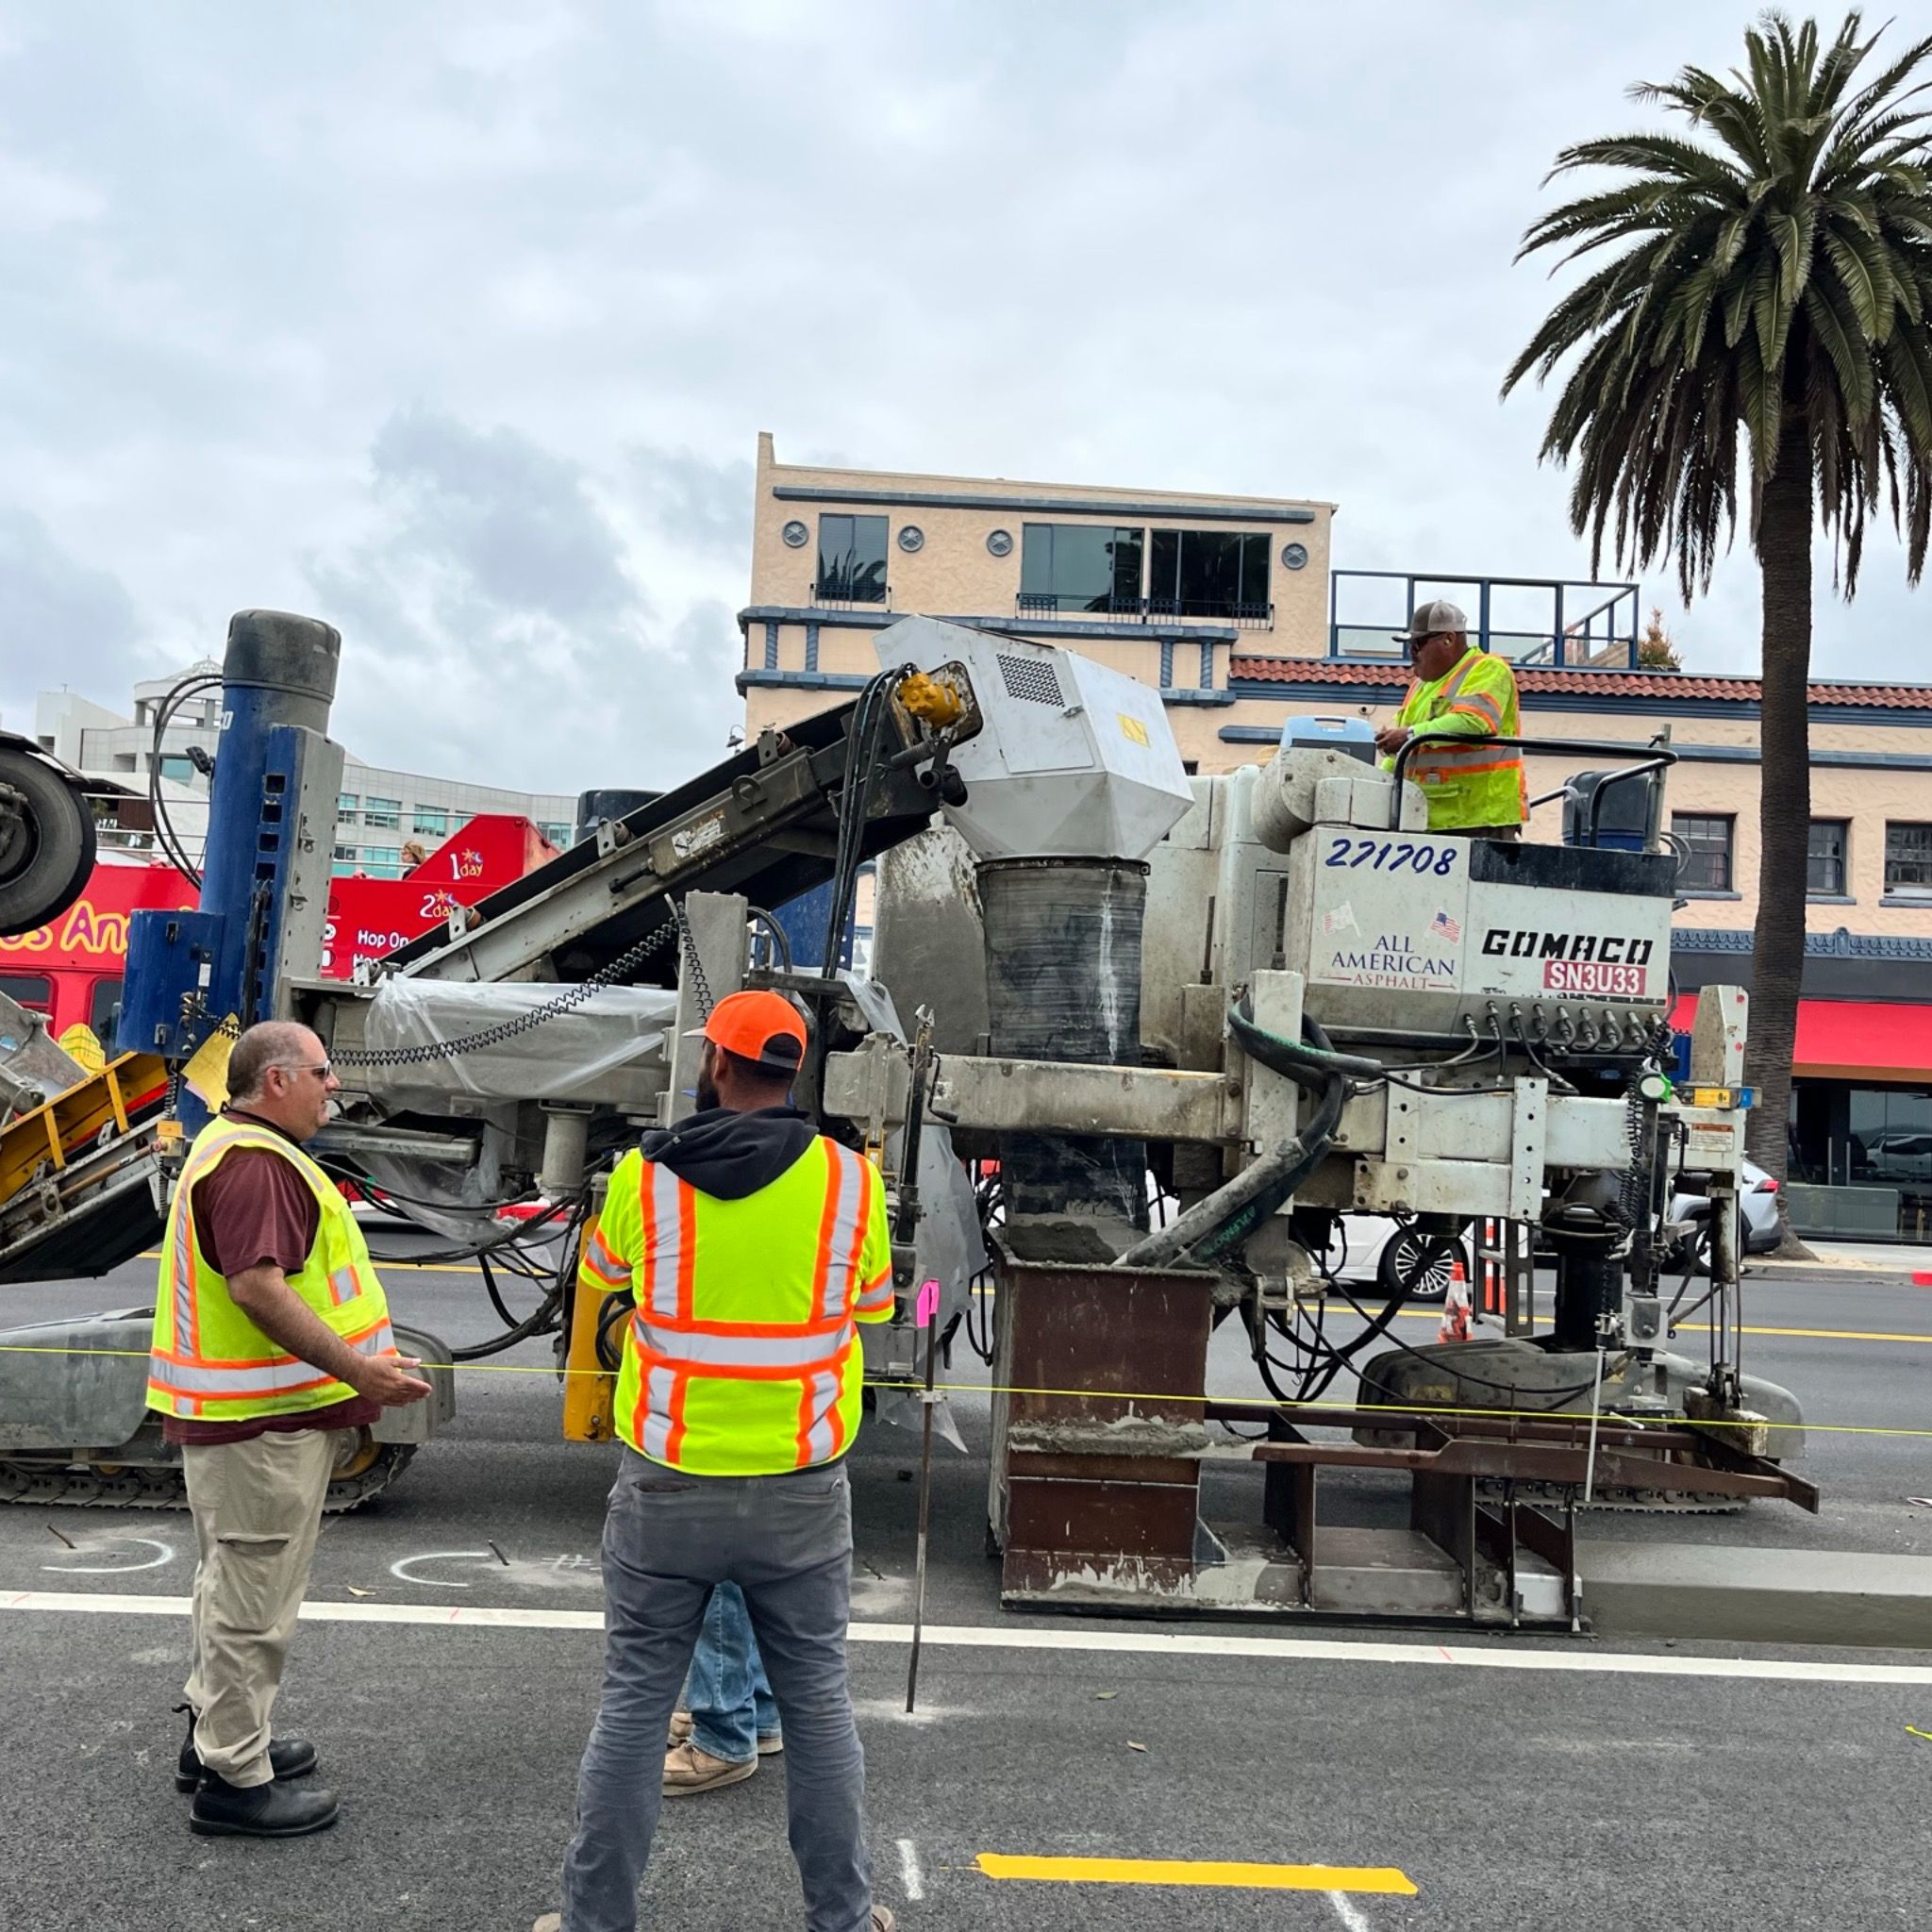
column 602, row 1262
column 671, row 1255
column 208, row 1358
column 842, row 1234
column 781, row 1356
column 700, row 1388
column 273, row 1375
column 1442, row 756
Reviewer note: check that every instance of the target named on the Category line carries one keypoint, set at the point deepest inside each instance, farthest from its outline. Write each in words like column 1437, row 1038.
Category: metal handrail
column 1553, row 641
column 1657, row 761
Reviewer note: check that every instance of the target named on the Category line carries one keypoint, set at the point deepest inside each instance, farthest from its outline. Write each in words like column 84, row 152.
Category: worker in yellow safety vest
column 1474, row 785
column 752, row 1247
column 272, row 1356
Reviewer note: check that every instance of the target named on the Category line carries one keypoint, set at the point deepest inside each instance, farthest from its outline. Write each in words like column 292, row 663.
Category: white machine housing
column 1074, row 759
column 1399, row 932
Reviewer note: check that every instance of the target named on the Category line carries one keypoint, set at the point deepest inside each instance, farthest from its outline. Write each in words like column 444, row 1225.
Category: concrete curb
column 1837, row 1266
column 1756, row 1595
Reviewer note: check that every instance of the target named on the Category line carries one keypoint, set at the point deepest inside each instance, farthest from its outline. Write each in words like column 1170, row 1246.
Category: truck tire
column 46, row 843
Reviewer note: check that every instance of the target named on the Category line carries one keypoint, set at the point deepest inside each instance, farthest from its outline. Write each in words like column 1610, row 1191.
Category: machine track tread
column 1623, row 1502
column 161, row 1486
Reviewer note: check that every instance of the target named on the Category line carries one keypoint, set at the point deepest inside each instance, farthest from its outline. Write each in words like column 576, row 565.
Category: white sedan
column 1385, row 1253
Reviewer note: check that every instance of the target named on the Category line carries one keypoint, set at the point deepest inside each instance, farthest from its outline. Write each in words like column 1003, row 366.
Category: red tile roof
column 1585, row 683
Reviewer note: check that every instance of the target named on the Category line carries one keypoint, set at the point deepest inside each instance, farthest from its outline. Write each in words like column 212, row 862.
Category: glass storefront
column 1860, row 1160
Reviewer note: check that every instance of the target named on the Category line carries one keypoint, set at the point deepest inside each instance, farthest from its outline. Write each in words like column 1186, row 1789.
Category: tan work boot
column 688, row 1770
column 682, row 1725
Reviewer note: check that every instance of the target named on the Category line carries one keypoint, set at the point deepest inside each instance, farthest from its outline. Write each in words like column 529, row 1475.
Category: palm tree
column 1773, row 289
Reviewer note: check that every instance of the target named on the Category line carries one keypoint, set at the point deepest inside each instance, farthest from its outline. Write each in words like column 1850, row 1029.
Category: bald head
column 279, row 1069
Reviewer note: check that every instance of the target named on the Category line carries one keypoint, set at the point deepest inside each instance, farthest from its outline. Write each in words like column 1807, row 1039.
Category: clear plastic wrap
column 611, row 1048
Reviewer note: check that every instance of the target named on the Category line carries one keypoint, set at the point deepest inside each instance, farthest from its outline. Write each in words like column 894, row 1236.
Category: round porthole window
column 1295, row 555
column 911, row 537
column 796, row 534
column 999, row 543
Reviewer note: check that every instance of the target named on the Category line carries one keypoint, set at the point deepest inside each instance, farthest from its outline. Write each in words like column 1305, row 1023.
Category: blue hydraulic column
column 188, row 972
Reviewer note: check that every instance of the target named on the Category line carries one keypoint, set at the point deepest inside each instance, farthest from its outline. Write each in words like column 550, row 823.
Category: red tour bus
column 71, row 969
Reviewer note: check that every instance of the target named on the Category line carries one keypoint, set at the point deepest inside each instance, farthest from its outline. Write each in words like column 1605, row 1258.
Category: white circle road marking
column 164, row 1553
column 402, row 1569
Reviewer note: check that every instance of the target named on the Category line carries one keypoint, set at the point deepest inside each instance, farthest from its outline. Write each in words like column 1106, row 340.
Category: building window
column 179, row 770
column 852, row 561
column 429, row 822
column 557, row 835
column 384, row 814
column 348, row 804
column 32, row 990
column 101, row 1010
column 1909, row 860
column 1705, row 843
column 1209, row 573
column 346, row 854
column 1080, row 567
column 1825, row 859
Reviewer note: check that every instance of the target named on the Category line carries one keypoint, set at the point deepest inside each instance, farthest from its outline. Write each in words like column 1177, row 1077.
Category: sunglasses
column 326, row 1069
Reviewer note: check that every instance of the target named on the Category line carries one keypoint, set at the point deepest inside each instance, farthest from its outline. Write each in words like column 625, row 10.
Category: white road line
column 1073, row 1637
column 908, row 1871
column 1349, row 1912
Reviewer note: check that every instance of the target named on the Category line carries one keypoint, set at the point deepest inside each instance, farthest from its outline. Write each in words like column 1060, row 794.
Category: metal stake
column 929, row 1306
column 926, row 1313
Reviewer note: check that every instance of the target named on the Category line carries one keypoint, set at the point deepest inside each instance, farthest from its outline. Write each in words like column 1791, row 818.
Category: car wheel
column 1420, row 1266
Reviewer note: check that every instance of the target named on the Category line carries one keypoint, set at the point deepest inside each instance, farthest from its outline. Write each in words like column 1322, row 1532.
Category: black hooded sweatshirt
column 729, row 1155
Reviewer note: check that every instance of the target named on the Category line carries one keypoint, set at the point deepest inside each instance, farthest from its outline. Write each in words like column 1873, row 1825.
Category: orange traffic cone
column 1455, row 1308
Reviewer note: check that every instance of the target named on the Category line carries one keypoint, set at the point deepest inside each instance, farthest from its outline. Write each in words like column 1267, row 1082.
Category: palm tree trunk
column 1784, row 810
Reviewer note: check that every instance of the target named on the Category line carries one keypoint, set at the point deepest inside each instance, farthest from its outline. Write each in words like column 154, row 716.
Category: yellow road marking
column 1378, row 1878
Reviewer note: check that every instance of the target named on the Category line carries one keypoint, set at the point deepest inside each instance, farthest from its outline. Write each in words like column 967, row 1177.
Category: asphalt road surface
column 1384, row 1780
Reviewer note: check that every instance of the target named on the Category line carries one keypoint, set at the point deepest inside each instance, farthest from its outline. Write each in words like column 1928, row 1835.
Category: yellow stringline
column 1580, row 1415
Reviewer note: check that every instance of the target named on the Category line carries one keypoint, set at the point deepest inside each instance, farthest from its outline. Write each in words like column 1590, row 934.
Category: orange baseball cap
column 763, row 1027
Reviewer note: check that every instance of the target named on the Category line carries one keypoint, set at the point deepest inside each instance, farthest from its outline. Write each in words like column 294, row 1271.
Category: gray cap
column 1438, row 614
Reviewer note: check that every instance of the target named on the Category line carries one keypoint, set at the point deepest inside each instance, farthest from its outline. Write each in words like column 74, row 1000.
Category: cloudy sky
column 456, row 324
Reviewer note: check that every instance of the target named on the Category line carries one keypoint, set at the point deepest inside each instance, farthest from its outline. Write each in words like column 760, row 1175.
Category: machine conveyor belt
column 763, row 823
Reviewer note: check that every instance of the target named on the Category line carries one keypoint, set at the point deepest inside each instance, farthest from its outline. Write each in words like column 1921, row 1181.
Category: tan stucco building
column 1231, row 608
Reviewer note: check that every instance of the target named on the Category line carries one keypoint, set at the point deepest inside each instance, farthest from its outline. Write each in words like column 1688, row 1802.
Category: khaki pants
column 257, row 1508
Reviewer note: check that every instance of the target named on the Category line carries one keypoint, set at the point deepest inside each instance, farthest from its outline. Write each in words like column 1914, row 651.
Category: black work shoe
column 287, row 1757
column 271, row 1811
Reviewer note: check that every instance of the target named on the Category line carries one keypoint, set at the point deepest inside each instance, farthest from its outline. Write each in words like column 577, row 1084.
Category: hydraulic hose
column 1228, row 1216
column 1310, row 1065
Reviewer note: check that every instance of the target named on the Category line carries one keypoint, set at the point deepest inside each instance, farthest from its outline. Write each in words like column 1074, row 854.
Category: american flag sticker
column 1445, row 927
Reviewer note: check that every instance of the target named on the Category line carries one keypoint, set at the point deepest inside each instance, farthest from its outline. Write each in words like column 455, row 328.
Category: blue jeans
column 669, row 1541
column 730, row 1703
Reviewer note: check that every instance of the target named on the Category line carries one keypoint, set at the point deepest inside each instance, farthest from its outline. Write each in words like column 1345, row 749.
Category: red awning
column 1851, row 1040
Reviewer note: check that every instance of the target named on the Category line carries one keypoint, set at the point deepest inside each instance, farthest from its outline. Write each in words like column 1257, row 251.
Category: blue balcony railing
column 1557, row 622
